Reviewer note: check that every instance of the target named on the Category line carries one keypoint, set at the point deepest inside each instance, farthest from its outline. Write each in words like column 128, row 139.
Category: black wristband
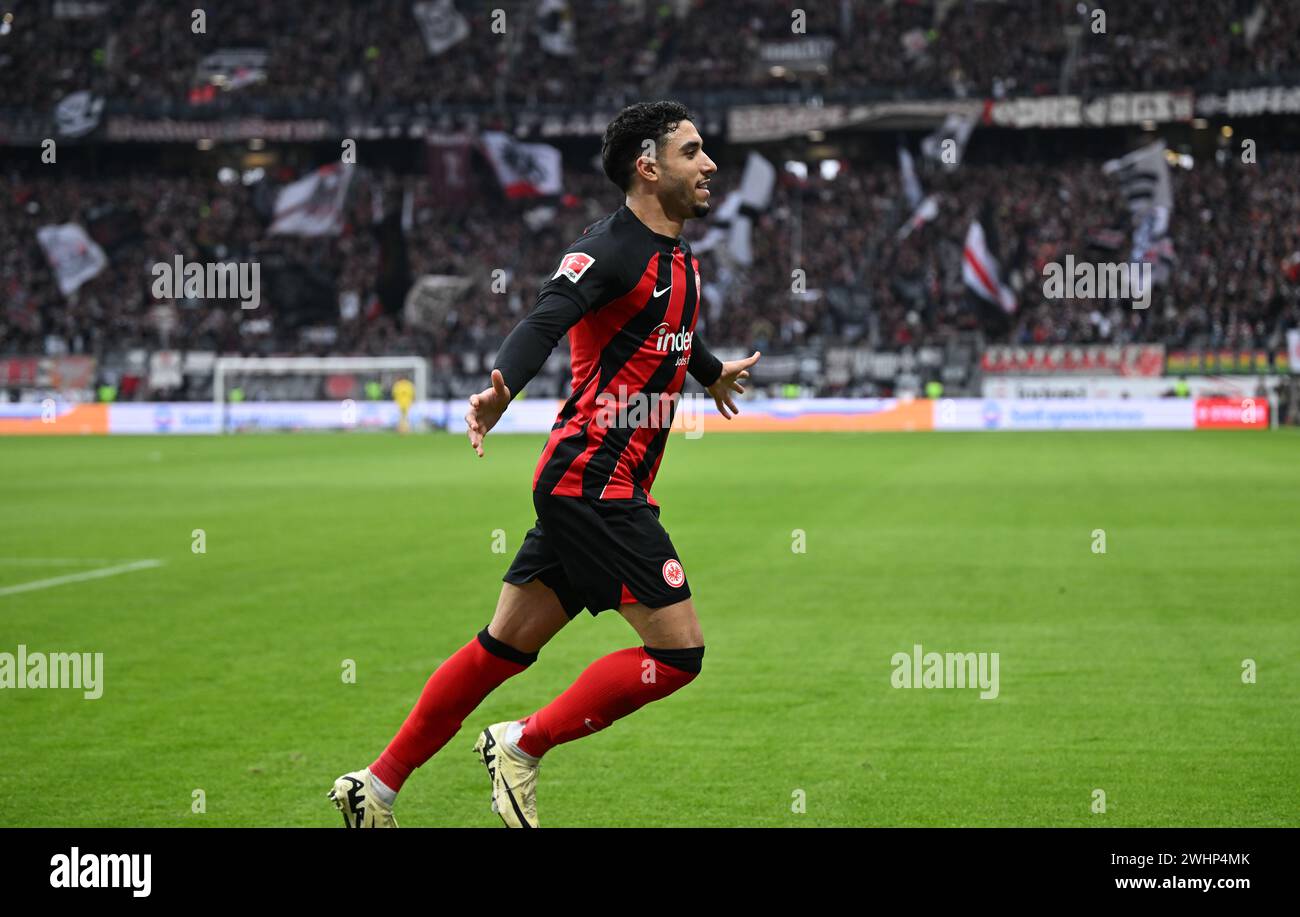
column 704, row 367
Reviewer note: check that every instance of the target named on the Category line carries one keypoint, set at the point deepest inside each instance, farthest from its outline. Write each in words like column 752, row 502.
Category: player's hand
column 729, row 382
column 485, row 409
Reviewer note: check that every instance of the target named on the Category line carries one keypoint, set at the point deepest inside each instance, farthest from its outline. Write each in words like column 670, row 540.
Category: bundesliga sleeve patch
column 574, row 266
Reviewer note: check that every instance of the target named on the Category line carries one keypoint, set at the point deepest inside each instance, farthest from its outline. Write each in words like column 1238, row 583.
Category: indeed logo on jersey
column 574, row 266
column 666, row 341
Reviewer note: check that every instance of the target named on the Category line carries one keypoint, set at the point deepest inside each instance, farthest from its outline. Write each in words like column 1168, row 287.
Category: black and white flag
column 77, row 114
column 440, row 24
column 73, row 256
column 1143, row 177
column 731, row 228
column 313, row 205
column 925, row 212
column 555, row 28
column 947, row 145
column 524, row 169
column 911, row 184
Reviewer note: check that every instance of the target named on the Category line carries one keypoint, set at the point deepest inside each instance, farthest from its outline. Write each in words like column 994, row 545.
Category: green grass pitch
column 223, row 670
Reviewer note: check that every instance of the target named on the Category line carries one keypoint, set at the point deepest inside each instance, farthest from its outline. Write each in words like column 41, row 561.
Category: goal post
column 225, row 368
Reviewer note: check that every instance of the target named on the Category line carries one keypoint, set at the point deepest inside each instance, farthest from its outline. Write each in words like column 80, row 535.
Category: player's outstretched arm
column 521, row 356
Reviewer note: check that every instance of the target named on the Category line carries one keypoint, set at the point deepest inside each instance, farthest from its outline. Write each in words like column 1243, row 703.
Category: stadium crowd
column 1236, row 279
column 148, row 53
column 1234, row 282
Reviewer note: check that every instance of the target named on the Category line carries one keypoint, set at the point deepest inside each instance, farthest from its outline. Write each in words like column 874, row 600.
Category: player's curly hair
column 633, row 125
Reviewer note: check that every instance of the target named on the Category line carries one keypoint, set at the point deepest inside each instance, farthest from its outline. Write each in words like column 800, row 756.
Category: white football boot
column 354, row 796
column 514, row 780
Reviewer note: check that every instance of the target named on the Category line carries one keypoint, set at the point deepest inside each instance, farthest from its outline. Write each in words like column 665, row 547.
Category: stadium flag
column 408, row 210
column 914, row 43
column 757, row 182
column 926, row 211
column 980, row 271
column 555, row 28
column 719, row 225
column 1252, row 23
column 1143, row 176
column 313, row 206
column 449, row 169
column 755, row 194
column 77, row 114
column 740, row 231
column 911, row 184
column 440, row 24
column 732, row 224
column 538, row 218
column 232, row 68
column 74, row 256
column 432, row 297
column 524, row 169
column 956, row 128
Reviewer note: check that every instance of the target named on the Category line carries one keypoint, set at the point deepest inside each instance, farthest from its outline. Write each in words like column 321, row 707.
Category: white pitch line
column 60, row 561
column 80, row 577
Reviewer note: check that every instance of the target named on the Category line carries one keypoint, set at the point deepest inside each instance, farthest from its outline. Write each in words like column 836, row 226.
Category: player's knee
column 688, row 659
column 503, row 650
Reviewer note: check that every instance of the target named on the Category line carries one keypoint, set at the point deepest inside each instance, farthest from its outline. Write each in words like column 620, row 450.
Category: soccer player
column 627, row 292
column 404, row 395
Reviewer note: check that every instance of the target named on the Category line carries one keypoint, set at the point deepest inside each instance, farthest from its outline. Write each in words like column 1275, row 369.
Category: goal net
column 312, row 392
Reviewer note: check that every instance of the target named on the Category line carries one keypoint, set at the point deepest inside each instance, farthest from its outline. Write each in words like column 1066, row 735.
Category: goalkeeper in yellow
column 404, row 395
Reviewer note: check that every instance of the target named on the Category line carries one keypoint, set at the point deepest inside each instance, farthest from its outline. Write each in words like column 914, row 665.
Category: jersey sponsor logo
column 666, row 341
column 574, row 266
column 659, row 292
column 674, row 575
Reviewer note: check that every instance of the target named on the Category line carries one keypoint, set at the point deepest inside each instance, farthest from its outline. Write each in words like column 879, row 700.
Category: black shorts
column 600, row 554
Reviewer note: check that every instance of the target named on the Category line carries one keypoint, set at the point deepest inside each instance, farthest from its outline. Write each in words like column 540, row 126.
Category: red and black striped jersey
column 639, row 296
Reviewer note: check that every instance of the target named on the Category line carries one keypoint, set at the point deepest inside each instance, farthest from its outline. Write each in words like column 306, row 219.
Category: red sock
column 609, row 689
column 451, row 694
